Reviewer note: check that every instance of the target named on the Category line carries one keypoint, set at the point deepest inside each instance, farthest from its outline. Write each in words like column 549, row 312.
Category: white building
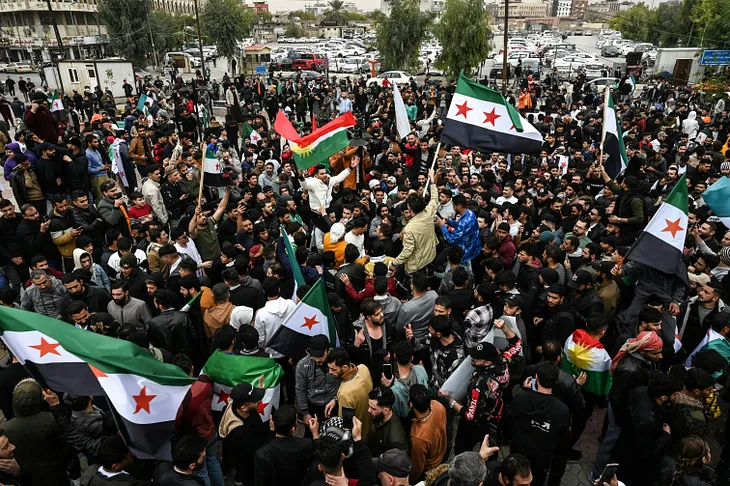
column 564, row 8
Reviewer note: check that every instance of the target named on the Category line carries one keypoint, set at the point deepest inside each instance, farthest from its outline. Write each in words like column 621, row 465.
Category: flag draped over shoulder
column 481, row 119
column 212, row 170
column 310, row 317
column 613, row 141
column 144, row 393
column 319, row 145
column 229, row 370
column 661, row 243
column 712, row 340
column 717, row 198
column 582, row 353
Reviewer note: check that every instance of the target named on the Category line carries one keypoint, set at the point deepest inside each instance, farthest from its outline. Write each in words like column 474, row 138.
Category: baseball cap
column 43, row 146
column 485, row 351
column 128, row 261
column 246, row 393
column 513, row 300
column 581, row 277
column 20, row 158
column 547, row 236
column 318, row 345
column 394, row 462
column 220, row 291
column 700, row 279
column 603, row 267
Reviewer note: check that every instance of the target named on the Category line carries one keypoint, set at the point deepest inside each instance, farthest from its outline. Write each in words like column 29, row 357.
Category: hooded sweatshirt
column 98, row 275
column 270, row 318
column 217, row 316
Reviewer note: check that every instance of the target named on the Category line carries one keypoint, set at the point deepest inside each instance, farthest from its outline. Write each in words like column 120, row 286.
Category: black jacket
column 170, row 331
column 17, row 184
column 559, row 324
column 541, row 426
column 631, row 371
column 96, row 298
column 248, row 296
column 566, row 389
column 586, row 304
column 284, row 460
column 90, row 220
column 136, row 284
column 76, row 173
column 165, row 475
column 35, row 242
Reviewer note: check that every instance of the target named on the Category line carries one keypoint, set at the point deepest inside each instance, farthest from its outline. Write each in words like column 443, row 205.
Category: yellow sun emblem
column 301, row 151
column 580, row 356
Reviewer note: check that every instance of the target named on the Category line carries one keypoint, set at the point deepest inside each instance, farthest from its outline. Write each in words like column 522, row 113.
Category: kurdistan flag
column 319, row 145
column 479, row 118
column 54, row 99
column 310, row 317
column 229, row 370
column 250, row 134
column 145, row 394
column 613, row 141
column 212, row 171
column 717, row 198
column 661, row 243
column 582, row 353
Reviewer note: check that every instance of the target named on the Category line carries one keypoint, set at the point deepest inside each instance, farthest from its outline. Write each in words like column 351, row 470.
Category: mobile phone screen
column 388, row 370
column 608, row 473
column 347, row 414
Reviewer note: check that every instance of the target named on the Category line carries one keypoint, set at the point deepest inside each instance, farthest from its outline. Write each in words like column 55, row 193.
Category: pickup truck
column 310, row 62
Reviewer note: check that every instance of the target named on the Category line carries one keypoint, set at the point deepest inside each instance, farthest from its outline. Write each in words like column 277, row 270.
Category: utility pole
column 505, row 63
column 200, row 43
column 152, row 40
column 60, row 44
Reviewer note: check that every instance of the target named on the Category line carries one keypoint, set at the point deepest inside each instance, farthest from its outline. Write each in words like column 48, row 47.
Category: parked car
column 569, row 64
column 598, row 85
column 281, row 65
column 594, row 71
column 610, row 50
column 390, row 77
column 314, row 62
column 19, row 67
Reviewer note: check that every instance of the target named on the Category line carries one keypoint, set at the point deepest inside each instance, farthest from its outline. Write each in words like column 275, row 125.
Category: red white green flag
column 319, row 145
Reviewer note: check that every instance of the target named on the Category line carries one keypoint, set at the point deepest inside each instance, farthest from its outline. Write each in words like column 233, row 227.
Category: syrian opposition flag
column 582, row 353
column 613, row 140
column 717, row 198
column 310, row 317
column 54, row 100
column 712, row 340
column 143, row 105
column 295, row 270
column 481, row 119
column 661, row 243
column 319, row 145
column 229, row 370
column 212, row 170
column 144, row 393
column 251, row 134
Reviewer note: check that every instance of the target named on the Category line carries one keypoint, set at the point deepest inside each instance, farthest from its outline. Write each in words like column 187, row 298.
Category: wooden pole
column 202, row 175
column 435, row 157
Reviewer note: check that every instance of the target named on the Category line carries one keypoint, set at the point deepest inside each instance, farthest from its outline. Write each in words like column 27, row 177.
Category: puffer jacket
column 314, row 384
column 51, row 303
column 61, row 228
column 419, row 238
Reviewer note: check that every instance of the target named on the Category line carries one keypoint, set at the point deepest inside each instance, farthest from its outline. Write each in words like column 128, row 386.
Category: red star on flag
column 217, row 167
column 310, row 322
column 47, row 348
column 512, row 127
column 97, row 372
column 143, row 400
column 491, row 117
column 673, row 227
column 262, row 407
column 223, row 396
column 463, row 109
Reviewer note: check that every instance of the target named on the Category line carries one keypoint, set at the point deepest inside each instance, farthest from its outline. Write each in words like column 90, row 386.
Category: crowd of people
column 434, row 257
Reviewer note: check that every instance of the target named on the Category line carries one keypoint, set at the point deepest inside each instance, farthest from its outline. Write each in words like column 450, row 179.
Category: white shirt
column 358, row 241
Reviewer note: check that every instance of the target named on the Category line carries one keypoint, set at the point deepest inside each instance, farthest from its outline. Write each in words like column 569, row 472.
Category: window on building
column 73, row 75
column 90, row 71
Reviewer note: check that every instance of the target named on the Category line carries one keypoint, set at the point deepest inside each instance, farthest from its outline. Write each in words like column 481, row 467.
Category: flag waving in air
column 613, row 140
column 54, row 100
column 250, row 135
column 481, row 119
column 661, row 243
column 229, row 370
column 212, row 170
column 310, row 317
column 717, row 198
column 144, row 393
column 316, row 147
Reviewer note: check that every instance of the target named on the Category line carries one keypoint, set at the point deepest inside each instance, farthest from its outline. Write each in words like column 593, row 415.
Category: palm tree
column 336, row 11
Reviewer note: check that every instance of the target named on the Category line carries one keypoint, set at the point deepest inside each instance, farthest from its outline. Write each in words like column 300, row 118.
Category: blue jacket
column 95, row 163
column 464, row 233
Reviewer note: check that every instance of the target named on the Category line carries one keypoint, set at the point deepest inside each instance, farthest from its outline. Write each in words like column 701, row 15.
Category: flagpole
column 606, row 94
column 428, row 179
column 202, row 175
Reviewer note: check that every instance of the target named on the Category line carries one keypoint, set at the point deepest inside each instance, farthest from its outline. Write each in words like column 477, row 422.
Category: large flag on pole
column 612, row 139
column 212, row 171
column 310, row 317
column 295, row 270
column 144, row 393
column 481, row 119
column 401, row 117
column 229, row 370
column 717, row 198
column 319, row 145
column 661, row 243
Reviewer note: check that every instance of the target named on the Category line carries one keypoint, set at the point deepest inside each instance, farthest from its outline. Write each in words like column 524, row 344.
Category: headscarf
column 645, row 341
column 337, row 231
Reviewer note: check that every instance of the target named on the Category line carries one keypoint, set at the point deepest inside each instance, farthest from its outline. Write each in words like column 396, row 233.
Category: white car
column 354, row 65
column 594, row 71
column 626, row 48
column 569, row 64
column 389, row 77
column 19, row 67
column 589, row 58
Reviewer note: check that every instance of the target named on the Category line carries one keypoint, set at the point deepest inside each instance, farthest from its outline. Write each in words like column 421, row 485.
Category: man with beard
column 128, row 310
column 314, row 385
column 140, row 151
column 560, row 320
column 62, row 230
column 388, row 432
column 244, row 235
column 188, row 456
column 96, row 298
column 484, row 406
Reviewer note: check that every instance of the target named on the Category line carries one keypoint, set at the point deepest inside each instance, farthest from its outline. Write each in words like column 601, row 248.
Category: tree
column 126, row 25
column 303, row 15
column 635, row 23
column 710, row 18
column 225, row 23
column 336, row 12
column 168, row 31
column 464, row 35
column 294, row 30
column 399, row 36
